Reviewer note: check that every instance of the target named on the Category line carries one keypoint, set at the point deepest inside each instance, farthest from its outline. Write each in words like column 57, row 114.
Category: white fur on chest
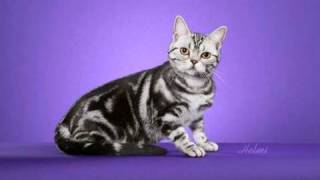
column 194, row 101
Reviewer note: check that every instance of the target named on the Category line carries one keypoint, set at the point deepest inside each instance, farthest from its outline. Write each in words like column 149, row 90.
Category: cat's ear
column 219, row 35
column 180, row 28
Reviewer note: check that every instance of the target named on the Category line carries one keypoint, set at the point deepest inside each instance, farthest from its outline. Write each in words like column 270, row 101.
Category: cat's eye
column 206, row 55
column 184, row 51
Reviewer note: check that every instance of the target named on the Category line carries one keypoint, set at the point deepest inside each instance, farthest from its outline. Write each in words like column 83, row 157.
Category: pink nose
column 194, row 61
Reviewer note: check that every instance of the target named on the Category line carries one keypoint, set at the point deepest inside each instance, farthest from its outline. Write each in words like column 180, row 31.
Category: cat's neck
column 192, row 83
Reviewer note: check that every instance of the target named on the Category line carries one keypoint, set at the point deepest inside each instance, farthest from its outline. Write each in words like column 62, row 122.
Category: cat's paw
column 209, row 146
column 194, row 151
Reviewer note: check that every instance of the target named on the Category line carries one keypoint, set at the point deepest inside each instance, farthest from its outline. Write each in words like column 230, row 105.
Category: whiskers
column 217, row 75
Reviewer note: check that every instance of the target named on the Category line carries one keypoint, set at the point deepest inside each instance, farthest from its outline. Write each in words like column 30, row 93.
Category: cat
column 129, row 115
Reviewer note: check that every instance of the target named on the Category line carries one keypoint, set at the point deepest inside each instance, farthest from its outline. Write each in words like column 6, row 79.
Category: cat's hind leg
column 83, row 143
column 97, row 142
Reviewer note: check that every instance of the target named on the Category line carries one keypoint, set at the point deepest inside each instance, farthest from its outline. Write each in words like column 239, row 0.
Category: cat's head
column 192, row 53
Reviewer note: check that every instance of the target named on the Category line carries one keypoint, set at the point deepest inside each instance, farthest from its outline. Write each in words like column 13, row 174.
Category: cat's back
column 116, row 89
column 125, row 83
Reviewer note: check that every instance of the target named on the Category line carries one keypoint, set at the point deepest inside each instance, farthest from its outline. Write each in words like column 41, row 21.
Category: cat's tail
column 75, row 147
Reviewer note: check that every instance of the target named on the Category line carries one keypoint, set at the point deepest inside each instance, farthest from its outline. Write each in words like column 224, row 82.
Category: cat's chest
column 196, row 106
column 197, row 100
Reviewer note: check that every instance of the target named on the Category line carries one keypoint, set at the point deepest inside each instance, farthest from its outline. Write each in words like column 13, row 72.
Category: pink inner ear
column 218, row 45
column 175, row 36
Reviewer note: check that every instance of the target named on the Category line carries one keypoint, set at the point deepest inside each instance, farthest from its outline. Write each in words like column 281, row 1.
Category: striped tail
column 75, row 147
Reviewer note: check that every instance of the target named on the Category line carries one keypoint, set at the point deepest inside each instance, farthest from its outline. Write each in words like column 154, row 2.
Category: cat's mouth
column 193, row 67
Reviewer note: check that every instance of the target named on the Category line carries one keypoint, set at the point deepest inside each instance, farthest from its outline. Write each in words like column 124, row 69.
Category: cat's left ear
column 219, row 35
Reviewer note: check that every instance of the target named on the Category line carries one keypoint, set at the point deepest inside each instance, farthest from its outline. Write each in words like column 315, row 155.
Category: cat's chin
column 201, row 75
column 197, row 74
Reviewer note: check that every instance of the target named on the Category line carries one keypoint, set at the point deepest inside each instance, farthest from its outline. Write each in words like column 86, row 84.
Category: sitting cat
column 127, row 116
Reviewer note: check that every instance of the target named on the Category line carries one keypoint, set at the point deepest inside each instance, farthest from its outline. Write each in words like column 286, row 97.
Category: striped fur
column 127, row 116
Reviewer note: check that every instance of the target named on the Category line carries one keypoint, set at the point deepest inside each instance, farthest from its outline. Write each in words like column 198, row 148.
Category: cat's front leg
column 180, row 138
column 197, row 128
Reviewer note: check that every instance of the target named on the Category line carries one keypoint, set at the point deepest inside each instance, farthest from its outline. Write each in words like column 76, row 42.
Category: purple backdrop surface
column 54, row 51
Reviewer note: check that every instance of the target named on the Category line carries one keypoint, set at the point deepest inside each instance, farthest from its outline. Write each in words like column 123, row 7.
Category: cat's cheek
column 183, row 66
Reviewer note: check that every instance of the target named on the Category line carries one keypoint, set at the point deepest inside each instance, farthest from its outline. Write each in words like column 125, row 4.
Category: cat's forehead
column 190, row 38
column 197, row 39
column 202, row 42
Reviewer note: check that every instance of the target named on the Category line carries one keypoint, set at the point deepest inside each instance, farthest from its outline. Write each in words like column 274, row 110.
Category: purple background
column 52, row 52
column 278, row 162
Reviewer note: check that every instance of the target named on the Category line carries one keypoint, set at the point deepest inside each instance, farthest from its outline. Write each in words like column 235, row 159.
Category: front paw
column 194, row 151
column 209, row 146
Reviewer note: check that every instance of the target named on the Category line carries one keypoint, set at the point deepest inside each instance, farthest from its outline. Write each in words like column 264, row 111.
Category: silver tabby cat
column 128, row 115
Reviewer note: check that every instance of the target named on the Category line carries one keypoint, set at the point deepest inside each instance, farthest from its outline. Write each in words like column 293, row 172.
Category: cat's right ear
column 180, row 28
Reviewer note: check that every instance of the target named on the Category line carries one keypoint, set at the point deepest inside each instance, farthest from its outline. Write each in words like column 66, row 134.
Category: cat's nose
column 193, row 61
